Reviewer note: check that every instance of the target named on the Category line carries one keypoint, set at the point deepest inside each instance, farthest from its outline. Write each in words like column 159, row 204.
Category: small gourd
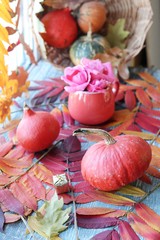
column 114, row 162
column 93, row 13
column 88, row 46
column 37, row 130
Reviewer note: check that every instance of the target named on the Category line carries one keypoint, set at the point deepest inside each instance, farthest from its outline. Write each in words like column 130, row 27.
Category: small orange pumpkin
column 114, row 162
column 92, row 14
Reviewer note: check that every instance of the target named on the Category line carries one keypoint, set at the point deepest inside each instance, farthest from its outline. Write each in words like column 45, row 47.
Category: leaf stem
column 33, row 164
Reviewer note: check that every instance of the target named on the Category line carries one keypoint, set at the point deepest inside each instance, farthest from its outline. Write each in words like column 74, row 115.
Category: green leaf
column 50, row 219
column 116, row 34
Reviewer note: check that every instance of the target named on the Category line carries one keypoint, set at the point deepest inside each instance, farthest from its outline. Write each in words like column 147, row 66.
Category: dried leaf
column 155, row 150
column 142, row 228
column 42, row 173
column 51, row 212
column 11, row 217
column 84, row 198
column 137, row 82
column 11, row 202
column 151, row 112
column 116, row 131
column 155, row 161
column 148, row 215
column 130, row 100
column 143, row 98
column 126, row 232
column 132, row 191
column 110, row 198
column 95, row 222
column 154, row 121
column 116, row 34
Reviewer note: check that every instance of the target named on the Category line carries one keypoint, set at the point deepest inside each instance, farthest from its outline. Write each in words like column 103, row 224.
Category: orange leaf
column 23, row 195
column 122, row 115
column 109, row 198
column 42, row 173
column 143, row 98
column 155, row 150
column 16, row 152
column 153, row 93
column 141, row 227
column 130, row 99
column 155, row 161
column 137, row 82
column 10, row 170
column 148, row 215
column 148, row 78
column 94, row 210
column 116, row 131
column 144, row 135
column 153, row 171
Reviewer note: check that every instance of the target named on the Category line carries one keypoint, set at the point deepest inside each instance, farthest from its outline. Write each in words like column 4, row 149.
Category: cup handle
column 115, row 88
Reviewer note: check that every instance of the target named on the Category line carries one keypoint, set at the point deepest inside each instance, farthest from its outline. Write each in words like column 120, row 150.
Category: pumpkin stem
column 94, row 131
column 89, row 33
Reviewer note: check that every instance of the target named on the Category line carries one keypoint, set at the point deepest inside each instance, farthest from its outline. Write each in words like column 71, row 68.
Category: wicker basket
column 138, row 19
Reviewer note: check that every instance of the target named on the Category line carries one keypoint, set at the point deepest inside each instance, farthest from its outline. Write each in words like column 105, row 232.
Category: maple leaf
column 116, row 34
column 50, row 219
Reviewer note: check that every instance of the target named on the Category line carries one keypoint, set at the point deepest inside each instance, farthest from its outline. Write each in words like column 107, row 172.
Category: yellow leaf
column 144, row 135
column 5, row 103
column 11, row 87
column 3, row 34
column 131, row 190
column 4, row 14
column 3, row 49
column 6, row 5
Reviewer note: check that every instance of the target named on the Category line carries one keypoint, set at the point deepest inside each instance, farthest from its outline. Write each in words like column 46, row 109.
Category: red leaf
column 56, row 112
column 71, row 144
column 107, row 235
column 35, row 185
column 75, row 166
column 95, row 222
column 76, row 177
column 23, row 162
column 141, row 227
column 148, row 78
column 148, row 215
column 143, row 98
column 145, row 125
column 154, row 121
column 82, row 187
column 134, row 127
column 4, row 179
column 23, row 195
column 119, row 96
column 55, row 167
column 145, row 179
column 150, row 111
column 1, row 220
column 10, row 202
column 5, row 148
column 116, row 131
column 66, row 198
column 42, row 173
column 110, row 198
column 84, row 198
column 130, row 99
column 126, row 232
column 66, row 116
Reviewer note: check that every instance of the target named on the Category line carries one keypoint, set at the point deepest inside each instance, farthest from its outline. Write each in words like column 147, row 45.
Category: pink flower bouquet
column 91, row 76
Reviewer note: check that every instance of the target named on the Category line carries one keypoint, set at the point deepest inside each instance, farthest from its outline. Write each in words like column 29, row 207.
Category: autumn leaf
column 116, row 34
column 50, row 219
column 132, row 191
column 130, row 100
column 142, row 228
column 148, row 215
column 107, row 235
column 126, row 232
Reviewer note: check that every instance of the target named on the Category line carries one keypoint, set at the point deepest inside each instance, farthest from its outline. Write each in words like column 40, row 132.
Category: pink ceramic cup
column 91, row 108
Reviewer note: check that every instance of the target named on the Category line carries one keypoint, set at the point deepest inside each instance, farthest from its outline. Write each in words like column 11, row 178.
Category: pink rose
column 91, row 75
column 76, row 77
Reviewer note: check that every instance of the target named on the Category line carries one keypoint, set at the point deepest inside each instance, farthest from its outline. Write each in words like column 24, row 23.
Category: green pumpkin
column 87, row 46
